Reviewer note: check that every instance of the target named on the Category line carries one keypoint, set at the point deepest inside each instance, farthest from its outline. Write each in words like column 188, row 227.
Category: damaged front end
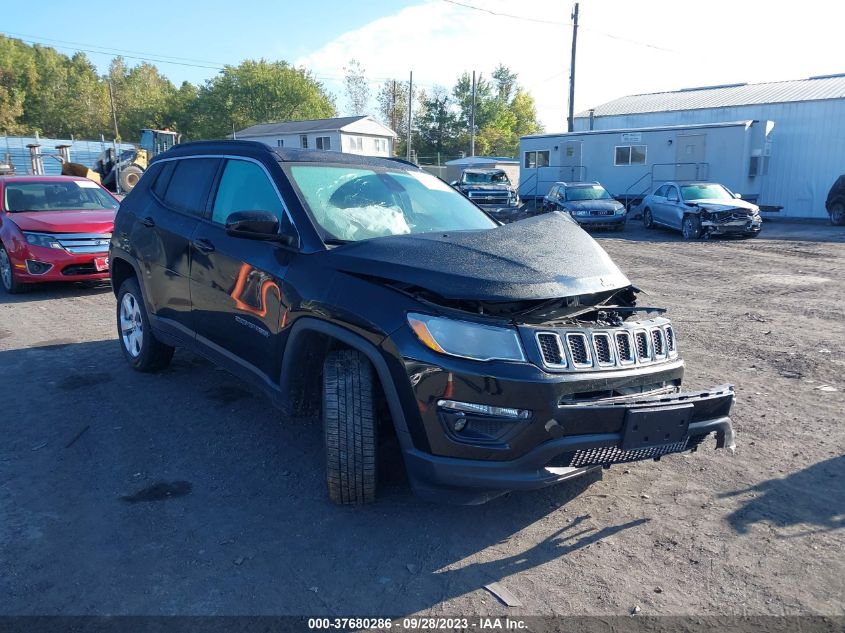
column 718, row 220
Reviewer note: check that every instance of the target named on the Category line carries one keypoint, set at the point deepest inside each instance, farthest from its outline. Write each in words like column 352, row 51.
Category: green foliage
column 47, row 92
column 503, row 113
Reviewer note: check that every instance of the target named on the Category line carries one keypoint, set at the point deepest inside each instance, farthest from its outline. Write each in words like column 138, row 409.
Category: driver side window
column 245, row 186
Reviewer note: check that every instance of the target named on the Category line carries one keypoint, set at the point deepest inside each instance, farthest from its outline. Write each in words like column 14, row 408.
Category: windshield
column 481, row 178
column 705, row 192
column 56, row 196
column 351, row 203
column 594, row 192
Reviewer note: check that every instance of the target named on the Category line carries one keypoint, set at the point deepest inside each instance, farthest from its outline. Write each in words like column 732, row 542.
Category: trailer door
column 571, row 167
column 689, row 157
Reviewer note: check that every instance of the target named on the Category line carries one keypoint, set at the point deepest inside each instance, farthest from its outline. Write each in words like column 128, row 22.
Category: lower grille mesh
column 614, row 455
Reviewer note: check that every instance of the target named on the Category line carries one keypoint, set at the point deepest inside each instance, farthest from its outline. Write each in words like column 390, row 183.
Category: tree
column 357, row 88
column 436, row 122
column 259, row 92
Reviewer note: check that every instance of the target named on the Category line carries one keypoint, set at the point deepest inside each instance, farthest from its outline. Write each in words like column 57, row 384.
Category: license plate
column 653, row 426
column 101, row 264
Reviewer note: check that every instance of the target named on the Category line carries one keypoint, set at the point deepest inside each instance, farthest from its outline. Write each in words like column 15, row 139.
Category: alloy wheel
column 131, row 325
column 5, row 269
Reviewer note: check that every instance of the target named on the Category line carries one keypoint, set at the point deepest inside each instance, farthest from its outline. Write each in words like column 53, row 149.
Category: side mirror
column 738, row 195
column 256, row 225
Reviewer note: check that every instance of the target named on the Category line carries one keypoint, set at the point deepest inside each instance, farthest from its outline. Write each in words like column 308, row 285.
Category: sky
column 624, row 46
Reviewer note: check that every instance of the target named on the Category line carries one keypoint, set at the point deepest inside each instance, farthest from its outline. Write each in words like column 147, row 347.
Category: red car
column 53, row 228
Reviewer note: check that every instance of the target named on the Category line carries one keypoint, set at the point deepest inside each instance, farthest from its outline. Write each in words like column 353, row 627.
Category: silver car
column 701, row 209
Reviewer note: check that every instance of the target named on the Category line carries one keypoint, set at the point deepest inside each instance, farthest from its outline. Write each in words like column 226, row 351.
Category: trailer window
column 536, row 159
column 629, row 155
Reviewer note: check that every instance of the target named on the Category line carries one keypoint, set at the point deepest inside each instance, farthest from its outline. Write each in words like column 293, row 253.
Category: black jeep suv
column 504, row 356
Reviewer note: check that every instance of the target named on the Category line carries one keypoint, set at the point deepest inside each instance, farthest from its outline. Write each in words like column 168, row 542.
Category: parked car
column 835, row 203
column 502, row 356
column 53, row 228
column 589, row 204
column 701, row 209
column 490, row 189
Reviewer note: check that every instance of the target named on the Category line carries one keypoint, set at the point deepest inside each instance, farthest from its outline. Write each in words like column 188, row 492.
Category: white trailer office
column 630, row 162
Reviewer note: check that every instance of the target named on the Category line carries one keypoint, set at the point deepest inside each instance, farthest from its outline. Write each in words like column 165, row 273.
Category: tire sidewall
column 648, row 219
column 837, row 213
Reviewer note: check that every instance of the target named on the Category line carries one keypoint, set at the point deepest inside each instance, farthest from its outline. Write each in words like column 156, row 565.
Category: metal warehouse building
column 807, row 150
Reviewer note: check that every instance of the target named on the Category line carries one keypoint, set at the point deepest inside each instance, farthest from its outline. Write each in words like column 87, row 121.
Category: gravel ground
column 184, row 492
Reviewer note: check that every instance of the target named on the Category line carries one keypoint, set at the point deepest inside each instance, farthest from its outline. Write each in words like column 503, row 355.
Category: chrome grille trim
column 579, row 349
column 83, row 243
column 634, row 343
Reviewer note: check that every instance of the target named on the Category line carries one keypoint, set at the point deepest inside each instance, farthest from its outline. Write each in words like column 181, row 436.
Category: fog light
column 37, row 268
column 484, row 409
column 460, row 423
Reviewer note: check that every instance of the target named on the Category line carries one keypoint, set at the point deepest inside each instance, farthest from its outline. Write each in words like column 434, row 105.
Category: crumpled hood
column 544, row 257
column 720, row 205
column 82, row 221
column 481, row 187
column 593, row 205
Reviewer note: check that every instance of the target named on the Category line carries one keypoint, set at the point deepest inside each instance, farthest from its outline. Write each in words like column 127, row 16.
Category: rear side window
column 160, row 185
column 244, row 186
column 190, row 183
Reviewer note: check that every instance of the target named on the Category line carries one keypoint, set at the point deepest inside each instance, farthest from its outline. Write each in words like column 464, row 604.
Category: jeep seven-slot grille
column 642, row 342
column 550, row 349
column 603, row 353
column 657, row 339
column 578, row 348
column 642, row 345
column 623, row 344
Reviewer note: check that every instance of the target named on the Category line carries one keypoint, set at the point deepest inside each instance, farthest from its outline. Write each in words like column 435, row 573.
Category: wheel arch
column 308, row 344
column 121, row 270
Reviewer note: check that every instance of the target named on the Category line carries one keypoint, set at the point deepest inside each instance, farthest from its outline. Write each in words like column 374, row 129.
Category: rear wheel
column 837, row 213
column 143, row 351
column 691, row 227
column 648, row 221
column 7, row 274
column 349, row 425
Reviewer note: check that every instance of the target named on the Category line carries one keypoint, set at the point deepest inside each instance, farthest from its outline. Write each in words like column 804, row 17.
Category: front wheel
column 349, row 425
column 837, row 213
column 691, row 227
column 648, row 220
column 142, row 349
column 7, row 274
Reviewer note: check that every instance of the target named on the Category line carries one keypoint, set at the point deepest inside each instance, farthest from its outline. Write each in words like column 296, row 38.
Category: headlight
column 465, row 339
column 41, row 239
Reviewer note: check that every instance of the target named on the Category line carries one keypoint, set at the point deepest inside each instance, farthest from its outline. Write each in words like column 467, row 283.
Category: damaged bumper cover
column 737, row 222
column 627, row 429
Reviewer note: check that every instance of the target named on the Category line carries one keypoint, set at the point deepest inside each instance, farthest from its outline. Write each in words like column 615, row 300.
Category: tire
column 129, row 177
column 7, row 275
column 648, row 221
column 837, row 213
column 349, row 426
column 691, row 227
column 142, row 350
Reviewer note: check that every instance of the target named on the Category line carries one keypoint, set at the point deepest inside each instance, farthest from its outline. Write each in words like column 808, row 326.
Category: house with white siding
column 352, row 135
column 782, row 143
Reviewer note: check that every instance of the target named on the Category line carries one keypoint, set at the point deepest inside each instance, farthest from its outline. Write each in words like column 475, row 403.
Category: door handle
column 148, row 222
column 203, row 245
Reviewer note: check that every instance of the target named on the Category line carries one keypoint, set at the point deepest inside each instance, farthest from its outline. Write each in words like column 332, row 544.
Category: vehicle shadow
column 223, row 488
column 813, row 497
column 56, row 290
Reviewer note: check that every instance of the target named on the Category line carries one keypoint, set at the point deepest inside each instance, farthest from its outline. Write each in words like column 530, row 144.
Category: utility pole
column 472, row 120
column 570, row 122
column 410, row 110
column 113, row 111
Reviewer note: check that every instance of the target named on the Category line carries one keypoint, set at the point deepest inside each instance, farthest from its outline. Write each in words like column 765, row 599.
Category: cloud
column 624, row 47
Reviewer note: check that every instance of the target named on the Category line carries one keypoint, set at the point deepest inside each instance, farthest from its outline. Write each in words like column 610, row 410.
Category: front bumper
column 563, row 456
column 503, row 214
column 60, row 265
column 599, row 221
column 733, row 227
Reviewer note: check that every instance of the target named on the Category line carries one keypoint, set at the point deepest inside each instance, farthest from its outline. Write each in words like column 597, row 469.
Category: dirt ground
column 240, row 523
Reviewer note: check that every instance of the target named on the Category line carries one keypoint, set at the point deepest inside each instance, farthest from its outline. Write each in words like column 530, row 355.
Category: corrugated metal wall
column 84, row 152
column 808, row 146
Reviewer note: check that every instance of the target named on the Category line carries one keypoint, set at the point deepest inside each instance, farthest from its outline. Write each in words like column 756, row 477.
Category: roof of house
column 812, row 89
column 303, row 127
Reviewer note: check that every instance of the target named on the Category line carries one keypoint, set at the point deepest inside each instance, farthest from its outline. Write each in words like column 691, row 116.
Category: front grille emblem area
column 587, row 349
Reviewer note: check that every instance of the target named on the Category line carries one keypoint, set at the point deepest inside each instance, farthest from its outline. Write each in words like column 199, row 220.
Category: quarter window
column 629, row 155
column 244, row 186
column 324, row 142
column 536, row 159
column 188, row 188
